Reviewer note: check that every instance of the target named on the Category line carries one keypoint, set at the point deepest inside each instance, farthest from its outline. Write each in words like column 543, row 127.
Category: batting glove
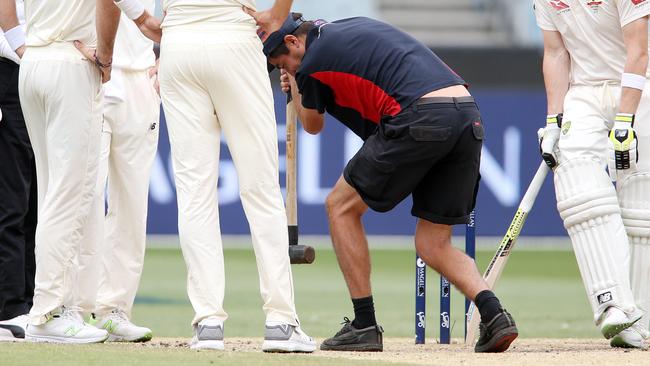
column 548, row 138
column 622, row 140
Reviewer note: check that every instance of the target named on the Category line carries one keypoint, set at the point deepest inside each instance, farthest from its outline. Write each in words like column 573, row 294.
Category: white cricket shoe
column 282, row 337
column 615, row 321
column 120, row 328
column 13, row 329
column 67, row 326
column 631, row 337
column 208, row 334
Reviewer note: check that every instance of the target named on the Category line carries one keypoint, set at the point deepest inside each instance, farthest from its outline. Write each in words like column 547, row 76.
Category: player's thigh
column 194, row 132
column 243, row 99
column 584, row 126
column 134, row 124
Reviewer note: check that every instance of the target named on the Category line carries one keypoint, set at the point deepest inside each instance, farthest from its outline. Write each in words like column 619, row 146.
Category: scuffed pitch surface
column 526, row 352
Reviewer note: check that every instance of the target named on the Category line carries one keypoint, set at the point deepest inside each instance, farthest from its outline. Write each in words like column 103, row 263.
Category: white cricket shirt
column 183, row 12
column 50, row 21
column 591, row 30
column 132, row 50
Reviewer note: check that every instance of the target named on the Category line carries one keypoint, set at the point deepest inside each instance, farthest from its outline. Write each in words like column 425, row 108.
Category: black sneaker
column 350, row 338
column 497, row 335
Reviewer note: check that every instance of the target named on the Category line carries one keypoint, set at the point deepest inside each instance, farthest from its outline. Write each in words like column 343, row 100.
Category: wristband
column 624, row 117
column 633, row 81
column 100, row 64
column 133, row 9
column 554, row 118
column 15, row 37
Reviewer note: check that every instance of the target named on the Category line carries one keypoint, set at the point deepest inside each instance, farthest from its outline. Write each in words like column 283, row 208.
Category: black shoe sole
column 500, row 341
column 364, row 347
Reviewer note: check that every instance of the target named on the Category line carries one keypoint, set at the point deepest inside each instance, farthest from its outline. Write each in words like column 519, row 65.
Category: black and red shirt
column 360, row 69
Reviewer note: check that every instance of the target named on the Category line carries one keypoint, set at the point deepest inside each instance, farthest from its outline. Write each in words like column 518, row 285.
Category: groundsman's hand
column 285, row 82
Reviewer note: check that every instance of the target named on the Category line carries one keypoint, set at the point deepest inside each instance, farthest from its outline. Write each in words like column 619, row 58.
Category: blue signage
column 509, row 160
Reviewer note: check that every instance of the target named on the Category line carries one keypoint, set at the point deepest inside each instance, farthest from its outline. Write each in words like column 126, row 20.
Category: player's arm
column 635, row 36
column 312, row 120
column 14, row 32
column 623, row 154
column 107, row 19
column 147, row 23
column 271, row 20
column 556, row 68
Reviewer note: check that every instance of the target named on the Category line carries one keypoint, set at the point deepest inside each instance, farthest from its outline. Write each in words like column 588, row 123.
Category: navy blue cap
column 277, row 38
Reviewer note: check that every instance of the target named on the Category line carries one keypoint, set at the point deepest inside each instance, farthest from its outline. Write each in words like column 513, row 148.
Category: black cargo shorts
column 432, row 150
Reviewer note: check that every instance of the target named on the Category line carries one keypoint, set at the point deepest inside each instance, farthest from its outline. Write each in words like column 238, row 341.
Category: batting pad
column 634, row 197
column 587, row 202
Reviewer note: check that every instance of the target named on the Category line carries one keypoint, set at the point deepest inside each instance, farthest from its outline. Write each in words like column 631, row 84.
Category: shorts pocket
column 477, row 130
column 429, row 133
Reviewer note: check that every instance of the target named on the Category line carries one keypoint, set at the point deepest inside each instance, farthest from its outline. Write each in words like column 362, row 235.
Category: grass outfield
column 542, row 289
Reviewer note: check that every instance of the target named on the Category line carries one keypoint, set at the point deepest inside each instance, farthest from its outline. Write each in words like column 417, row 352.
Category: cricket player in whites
column 595, row 67
column 112, row 265
column 213, row 80
column 60, row 92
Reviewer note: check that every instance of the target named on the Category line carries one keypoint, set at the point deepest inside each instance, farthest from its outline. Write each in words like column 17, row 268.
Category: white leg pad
column 587, row 202
column 634, row 197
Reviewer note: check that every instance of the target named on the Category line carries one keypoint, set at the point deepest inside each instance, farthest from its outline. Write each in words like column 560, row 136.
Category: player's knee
column 431, row 247
column 331, row 204
column 339, row 204
column 584, row 192
column 634, row 199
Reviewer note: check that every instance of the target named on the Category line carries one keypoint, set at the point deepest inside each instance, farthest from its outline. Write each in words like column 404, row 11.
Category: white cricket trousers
column 213, row 80
column 112, row 264
column 60, row 93
column 619, row 254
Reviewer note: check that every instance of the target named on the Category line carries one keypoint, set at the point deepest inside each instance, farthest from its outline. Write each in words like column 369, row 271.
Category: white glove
column 622, row 143
column 548, row 138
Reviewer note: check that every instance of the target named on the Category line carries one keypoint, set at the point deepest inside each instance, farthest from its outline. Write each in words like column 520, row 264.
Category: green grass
column 542, row 289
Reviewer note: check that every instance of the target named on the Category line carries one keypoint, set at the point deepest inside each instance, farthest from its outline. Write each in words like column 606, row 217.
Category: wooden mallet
column 298, row 254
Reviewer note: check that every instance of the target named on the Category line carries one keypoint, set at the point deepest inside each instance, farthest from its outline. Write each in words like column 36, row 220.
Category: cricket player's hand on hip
column 153, row 76
column 267, row 21
column 622, row 143
column 548, row 139
column 20, row 51
column 103, row 62
column 149, row 26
